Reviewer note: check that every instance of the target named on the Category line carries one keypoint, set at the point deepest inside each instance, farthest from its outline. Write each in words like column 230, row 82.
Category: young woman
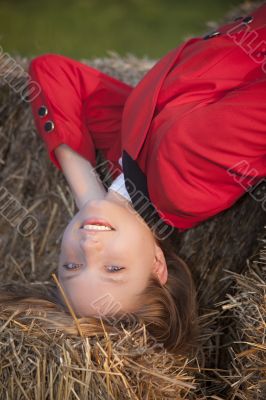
column 175, row 145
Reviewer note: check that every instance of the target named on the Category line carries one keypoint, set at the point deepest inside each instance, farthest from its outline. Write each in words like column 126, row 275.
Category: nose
column 91, row 249
column 89, row 242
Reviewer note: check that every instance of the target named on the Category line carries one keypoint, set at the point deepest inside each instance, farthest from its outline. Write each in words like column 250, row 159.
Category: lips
column 96, row 221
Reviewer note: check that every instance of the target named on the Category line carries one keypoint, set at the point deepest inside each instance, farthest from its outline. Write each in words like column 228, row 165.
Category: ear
column 160, row 266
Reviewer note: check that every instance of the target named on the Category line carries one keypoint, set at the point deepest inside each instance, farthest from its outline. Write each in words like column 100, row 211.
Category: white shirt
column 118, row 184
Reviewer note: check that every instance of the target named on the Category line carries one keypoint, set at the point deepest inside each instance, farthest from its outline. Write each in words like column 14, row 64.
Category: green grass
column 87, row 28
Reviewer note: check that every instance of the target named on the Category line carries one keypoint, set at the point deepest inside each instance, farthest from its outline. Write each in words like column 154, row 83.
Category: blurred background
column 89, row 28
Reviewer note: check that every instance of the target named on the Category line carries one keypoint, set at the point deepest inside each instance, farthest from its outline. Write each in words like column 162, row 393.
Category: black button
column 212, row 34
column 247, row 20
column 42, row 111
column 49, row 126
column 238, row 18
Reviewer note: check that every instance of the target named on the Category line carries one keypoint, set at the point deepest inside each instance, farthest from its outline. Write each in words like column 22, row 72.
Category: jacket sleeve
column 78, row 105
column 207, row 158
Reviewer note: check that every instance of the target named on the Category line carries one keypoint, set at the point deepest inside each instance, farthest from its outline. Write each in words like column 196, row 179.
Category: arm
column 77, row 107
column 82, row 108
column 84, row 182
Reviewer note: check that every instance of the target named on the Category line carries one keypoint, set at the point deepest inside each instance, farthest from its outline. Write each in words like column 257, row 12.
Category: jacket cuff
column 55, row 130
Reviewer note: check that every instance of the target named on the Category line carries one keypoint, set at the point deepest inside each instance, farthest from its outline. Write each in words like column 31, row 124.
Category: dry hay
column 40, row 363
column 247, row 316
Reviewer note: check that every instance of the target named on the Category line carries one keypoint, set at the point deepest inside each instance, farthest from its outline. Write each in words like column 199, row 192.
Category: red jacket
column 193, row 128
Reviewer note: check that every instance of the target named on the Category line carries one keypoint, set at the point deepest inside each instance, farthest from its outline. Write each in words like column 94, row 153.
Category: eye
column 114, row 268
column 71, row 266
column 74, row 266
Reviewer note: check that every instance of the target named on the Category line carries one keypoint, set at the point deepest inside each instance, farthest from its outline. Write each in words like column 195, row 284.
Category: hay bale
column 35, row 361
column 43, row 362
column 246, row 313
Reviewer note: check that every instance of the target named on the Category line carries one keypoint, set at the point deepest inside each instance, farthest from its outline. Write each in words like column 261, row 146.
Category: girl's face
column 113, row 267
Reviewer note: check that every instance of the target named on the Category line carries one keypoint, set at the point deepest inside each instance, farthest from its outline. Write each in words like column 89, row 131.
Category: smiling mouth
column 96, row 225
column 95, row 228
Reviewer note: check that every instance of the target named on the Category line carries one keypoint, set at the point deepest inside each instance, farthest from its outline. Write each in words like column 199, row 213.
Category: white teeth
column 97, row 227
